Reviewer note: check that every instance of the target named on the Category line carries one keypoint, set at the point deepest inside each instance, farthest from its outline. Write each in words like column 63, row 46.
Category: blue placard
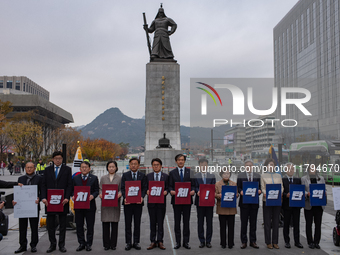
column 273, row 195
column 296, row 195
column 250, row 193
column 317, row 194
column 228, row 196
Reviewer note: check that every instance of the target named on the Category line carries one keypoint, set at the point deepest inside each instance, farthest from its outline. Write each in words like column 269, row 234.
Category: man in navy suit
column 57, row 176
column 86, row 179
column 290, row 212
column 248, row 212
column 181, row 174
column 157, row 211
column 204, row 211
column 133, row 210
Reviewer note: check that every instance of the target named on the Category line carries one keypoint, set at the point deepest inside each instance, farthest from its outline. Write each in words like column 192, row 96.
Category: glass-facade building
column 306, row 55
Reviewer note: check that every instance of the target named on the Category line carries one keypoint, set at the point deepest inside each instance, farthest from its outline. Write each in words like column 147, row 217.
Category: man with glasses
column 157, row 211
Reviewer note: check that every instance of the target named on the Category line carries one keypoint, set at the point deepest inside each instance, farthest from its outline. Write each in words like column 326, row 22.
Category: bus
column 259, row 156
column 325, row 154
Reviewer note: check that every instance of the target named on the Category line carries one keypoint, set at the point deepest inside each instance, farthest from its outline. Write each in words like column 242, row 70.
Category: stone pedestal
column 162, row 110
column 166, row 155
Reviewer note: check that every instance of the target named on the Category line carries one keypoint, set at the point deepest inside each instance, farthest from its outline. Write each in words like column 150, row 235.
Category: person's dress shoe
column 276, row 246
column 223, row 246
column 208, row 245
column 152, row 245
column 161, row 246
column 317, row 246
column 113, row 248
column 88, row 248
column 177, row 246
column 62, row 249
column 21, row 249
column 243, row 246
column 186, row 246
column 287, row 245
column 136, row 246
column 51, row 248
column 128, row 247
column 106, row 248
column 34, row 249
column 311, row 245
column 230, row 246
column 80, row 247
column 299, row 245
column 254, row 245
column 201, row 245
column 269, row 246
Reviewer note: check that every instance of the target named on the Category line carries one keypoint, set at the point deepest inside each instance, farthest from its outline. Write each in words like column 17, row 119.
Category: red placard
column 82, row 197
column 207, row 195
column 133, row 192
column 156, row 192
column 55, row 199
column 182, row 193
column 110, row 195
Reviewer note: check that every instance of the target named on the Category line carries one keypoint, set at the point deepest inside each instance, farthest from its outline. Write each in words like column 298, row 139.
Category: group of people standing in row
column 59, row 176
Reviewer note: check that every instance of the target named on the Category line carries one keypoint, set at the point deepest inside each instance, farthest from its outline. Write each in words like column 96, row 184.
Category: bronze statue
column 161, row 48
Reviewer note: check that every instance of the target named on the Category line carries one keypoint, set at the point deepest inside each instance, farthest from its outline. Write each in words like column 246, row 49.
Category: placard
column 250, row 193
column 156, row 192
column 182, row 196
column 207, row 195
column 317, row 194
column 133, row 192
column 273, row 195
column 25, row 197
column 336, row 198
column 55, row 198
column 228, row 196
column 110, row 195
column 82, row 197
column 297, row 195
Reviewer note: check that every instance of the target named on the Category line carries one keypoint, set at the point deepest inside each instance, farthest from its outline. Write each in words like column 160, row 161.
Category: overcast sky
column 91, row 54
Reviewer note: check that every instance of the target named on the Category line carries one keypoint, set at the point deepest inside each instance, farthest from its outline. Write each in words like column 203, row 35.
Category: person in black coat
column 7, row 185
column 206, row 212
column 57, row 176
column 157, row 211
column 181, row 174
column 248, row 212
column 290, row 212
column 29, row 179
column 133, row 210
column 86, row 179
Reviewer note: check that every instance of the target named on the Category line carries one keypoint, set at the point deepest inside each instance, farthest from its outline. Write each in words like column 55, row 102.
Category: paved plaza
column 10, row 242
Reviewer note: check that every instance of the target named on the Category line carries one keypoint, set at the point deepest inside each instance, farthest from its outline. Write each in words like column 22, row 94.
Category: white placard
column 25, row 197
column 336, row 198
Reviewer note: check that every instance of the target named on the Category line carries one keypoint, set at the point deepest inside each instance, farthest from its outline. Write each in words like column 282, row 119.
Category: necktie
column 157, row 177
column 56, row 171
column 181, row 175
column 204, row 179
column 249, row 178
column 84, row 177
column 134, row 176
column 291, row 180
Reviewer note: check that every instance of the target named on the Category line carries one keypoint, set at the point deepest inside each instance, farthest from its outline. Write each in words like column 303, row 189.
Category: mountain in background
column 116, row 127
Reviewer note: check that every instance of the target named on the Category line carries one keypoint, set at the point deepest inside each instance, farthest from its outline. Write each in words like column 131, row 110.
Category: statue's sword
column 147, row 34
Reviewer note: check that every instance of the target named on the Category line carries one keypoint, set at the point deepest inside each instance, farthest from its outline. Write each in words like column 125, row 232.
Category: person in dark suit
column 290, row 212
column 86, row 179
column 206, row 212
column 157, row 211
column 29, row 179
column 248, row 211
column 181, row 174
column 133, row 210
column 57, row 176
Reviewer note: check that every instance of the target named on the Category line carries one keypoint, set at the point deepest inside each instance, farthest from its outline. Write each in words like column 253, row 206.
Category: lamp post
column 318, row 127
